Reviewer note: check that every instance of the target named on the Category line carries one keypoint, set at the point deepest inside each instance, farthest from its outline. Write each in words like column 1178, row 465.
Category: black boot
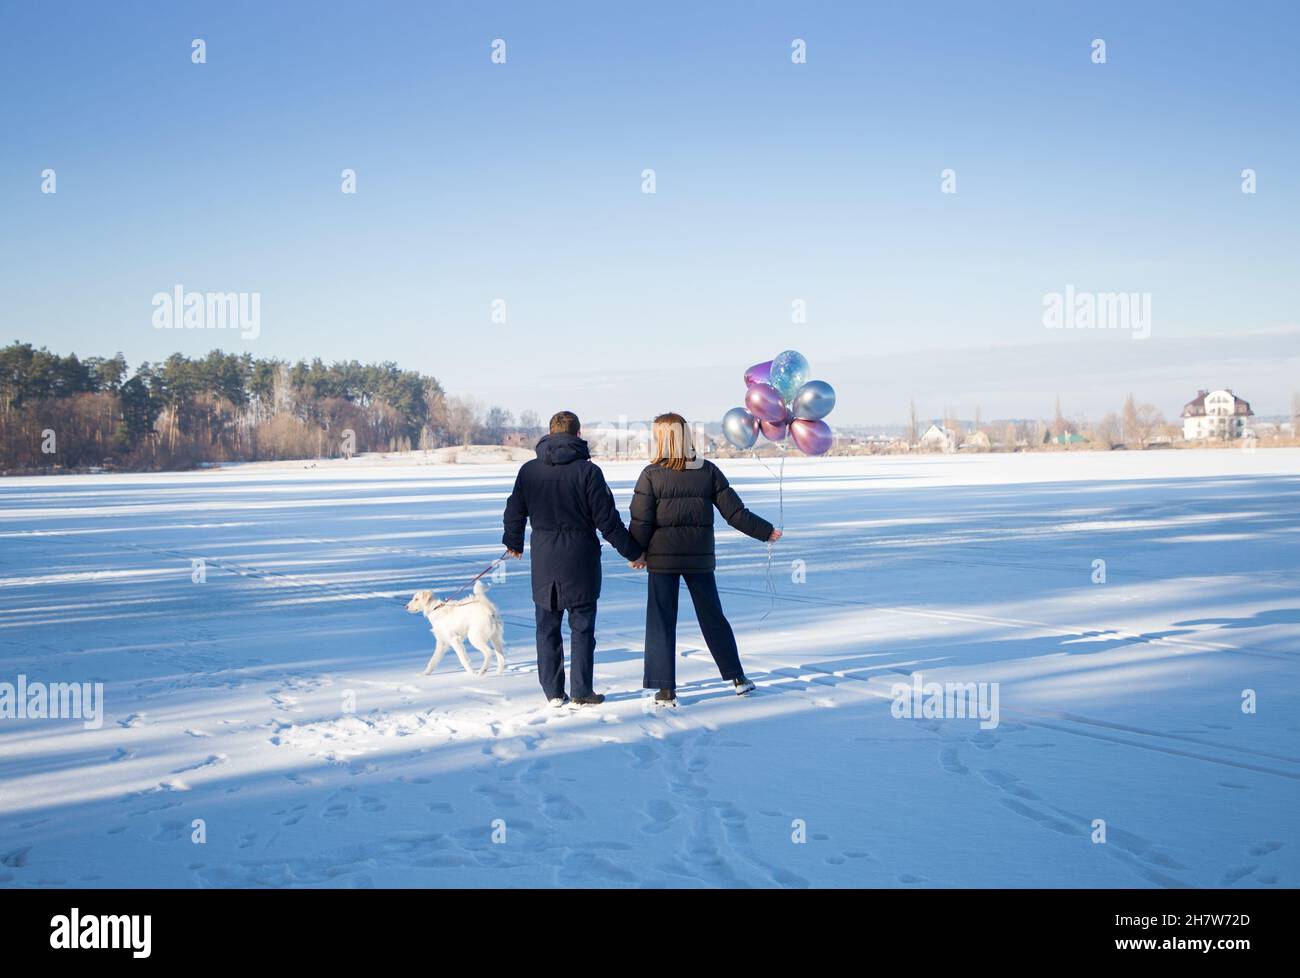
column 666, row 697
column 595, row 699
column 743, row 686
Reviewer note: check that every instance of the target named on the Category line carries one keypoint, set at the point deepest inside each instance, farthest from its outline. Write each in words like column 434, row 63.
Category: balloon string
column 770, row 582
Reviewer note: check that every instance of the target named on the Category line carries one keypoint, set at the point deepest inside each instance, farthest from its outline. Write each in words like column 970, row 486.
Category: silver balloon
column 813, row 401
column 740, row 428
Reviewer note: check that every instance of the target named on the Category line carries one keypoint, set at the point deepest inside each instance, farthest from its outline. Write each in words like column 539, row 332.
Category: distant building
column 519, row 439
column 1215, row 414
column 976, row 441
column 938, row 439
column 628, row 440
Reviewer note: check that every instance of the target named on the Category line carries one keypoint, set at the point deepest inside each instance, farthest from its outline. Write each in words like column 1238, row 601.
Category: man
column 565, row 495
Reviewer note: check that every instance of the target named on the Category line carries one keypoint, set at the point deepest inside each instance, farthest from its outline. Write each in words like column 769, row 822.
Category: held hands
column 638, row 564
column 776, row 535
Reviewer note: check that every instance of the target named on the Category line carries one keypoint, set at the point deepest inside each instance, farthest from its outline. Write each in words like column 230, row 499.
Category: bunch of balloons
column 781, row 401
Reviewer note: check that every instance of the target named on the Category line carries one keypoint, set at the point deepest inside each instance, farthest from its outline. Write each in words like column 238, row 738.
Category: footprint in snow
column 951, row 762
column 793, row 881
column 212, row 760
column 1236, row 874
column 295, row 815
column 533, row 773
column 660, row 815
column 170, row 831
column 497, row 795
column 558, row 807
column 644, row 756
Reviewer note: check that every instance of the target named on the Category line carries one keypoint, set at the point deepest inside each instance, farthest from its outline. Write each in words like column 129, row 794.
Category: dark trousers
column 550, row 649
column 661, row 628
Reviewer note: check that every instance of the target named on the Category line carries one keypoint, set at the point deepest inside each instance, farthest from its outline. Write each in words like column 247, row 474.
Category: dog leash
column 470, row 583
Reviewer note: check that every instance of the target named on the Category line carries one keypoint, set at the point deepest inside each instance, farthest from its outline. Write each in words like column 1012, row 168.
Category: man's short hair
column 565, row 423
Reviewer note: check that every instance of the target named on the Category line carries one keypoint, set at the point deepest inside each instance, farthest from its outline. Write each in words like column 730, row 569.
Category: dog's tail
column 498, row 626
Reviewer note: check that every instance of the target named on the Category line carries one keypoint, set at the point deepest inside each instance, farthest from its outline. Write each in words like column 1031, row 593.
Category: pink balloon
column 812, row 437
column 759, row 373
column 765, row 403
column 774, row 430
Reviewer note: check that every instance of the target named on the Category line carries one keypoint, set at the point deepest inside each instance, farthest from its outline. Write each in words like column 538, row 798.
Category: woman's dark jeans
column 661, row 628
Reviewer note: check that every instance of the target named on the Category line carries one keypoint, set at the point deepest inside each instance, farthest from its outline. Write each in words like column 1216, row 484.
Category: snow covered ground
column 282, row 701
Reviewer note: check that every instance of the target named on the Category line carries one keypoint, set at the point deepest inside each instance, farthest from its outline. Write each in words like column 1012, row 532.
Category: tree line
column 1135, row 425
column 68, row 412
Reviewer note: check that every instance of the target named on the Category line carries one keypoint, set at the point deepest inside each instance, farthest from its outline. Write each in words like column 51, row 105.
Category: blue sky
column 775, row 182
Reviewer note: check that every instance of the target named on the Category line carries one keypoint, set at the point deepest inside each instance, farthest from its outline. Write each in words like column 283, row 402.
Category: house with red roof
column 1217, row 415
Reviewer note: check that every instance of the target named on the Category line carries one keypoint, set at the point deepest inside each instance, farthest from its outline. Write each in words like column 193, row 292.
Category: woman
column 672, row 520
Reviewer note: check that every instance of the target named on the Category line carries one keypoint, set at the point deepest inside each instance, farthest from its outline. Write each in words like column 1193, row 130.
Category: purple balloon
column 765, row 403
column 812, row 436
column 759, row 373
column 774, row 430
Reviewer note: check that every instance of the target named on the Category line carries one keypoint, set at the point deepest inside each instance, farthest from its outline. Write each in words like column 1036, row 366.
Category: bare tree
column 464, row 416
column 496, row 422
column 953, row 424
column 1108, row 432
column 912, row 433
column 436, row 427
column 1141, row 422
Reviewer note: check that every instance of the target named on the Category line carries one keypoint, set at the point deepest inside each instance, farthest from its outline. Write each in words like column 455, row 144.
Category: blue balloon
column 789, row 373
column 813, row 401
column 740, row 427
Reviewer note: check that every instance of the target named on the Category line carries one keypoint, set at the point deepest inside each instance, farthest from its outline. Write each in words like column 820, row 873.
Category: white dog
column 475, row 618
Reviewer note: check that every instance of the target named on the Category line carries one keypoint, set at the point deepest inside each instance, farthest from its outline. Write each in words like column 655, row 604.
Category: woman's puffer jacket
column 672, row 517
